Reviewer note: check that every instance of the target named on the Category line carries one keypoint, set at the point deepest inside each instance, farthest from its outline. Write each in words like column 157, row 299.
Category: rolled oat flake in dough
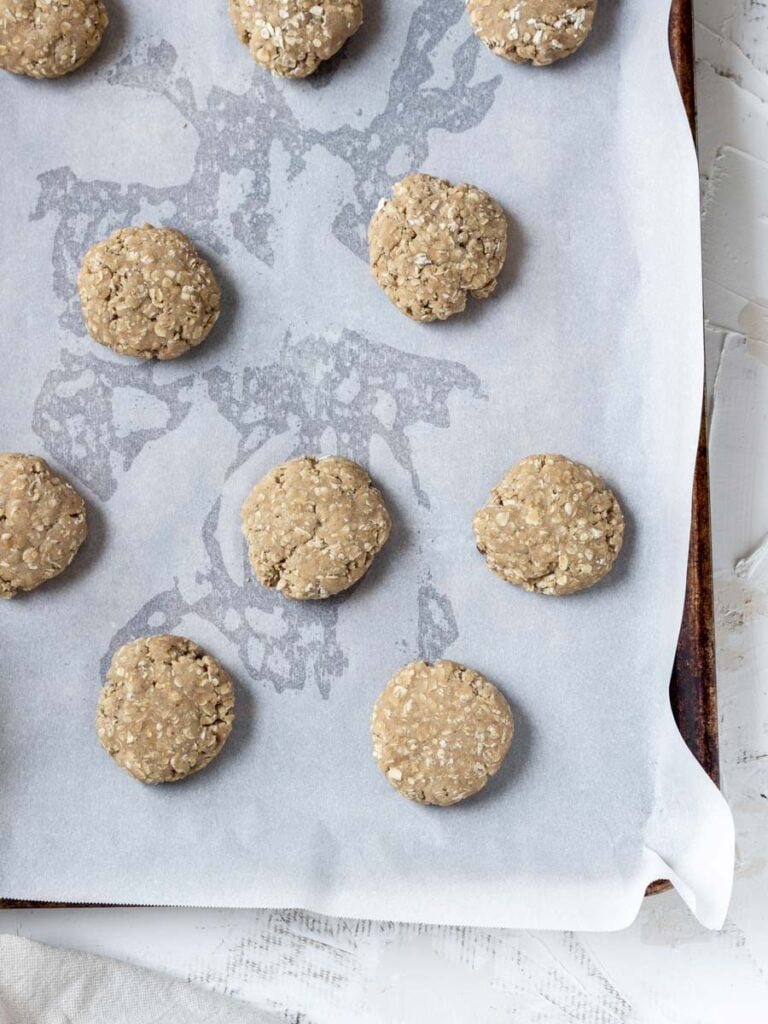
column 49, row 38
column 292, row 38
column 147, row 292
column 550, row 525
column 42, row 523
column 313, row 526
column 166, row 708
column 440, row 731
column 433, row 243
column 539, row 31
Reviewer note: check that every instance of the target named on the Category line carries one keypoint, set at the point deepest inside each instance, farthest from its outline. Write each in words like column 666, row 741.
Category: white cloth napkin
column 43, row 985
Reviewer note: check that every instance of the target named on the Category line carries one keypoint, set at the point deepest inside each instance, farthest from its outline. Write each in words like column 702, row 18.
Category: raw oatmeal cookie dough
column 292, row 37
column 540, row 31
column 434, row 243
column 147, row 292
column 313, row 526
column 550, row 525
column 49, row 38
column 440, row 731
column 166, row 708
column 42, row 523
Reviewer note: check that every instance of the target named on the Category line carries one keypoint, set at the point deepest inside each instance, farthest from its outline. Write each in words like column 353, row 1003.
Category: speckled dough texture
column 313, row 526
column 551, row 525
column 166, row 708
column 147, row 292
column 440, row 732
column 539, row 31
column 292, row 37
column 49, row 38
column 434, row 243
column 42, row 523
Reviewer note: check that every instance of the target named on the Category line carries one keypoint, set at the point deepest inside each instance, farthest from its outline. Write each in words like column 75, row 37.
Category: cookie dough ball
column 292, row 37
column 433, row 243
column 313, row 526
column 49, row 38
column 551, row 525
column 148, row 292
column 42, row 523
column 540, row 31
column 440, row 731
column 166, row 708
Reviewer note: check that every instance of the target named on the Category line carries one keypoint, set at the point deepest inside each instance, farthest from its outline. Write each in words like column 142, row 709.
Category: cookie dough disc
column 550, row 525
column 433, row 243
column 292, row 37
column 42, row 523
column 540, row 31
column 166, row 708
column 147, row 292
column 49, row 38
column 313, row 526
column 440, row 731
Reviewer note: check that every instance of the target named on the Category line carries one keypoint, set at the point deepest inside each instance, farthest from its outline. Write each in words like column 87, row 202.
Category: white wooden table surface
column 666, row 968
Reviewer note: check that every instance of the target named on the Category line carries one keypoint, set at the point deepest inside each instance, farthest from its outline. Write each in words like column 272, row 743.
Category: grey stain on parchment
column 414, row 108
column 280, row 642
column 359, row 389
column 341, row 393
column 236, row 138
column 86, row 412
column 77, row 416
column 239, row 135
column 436, row 623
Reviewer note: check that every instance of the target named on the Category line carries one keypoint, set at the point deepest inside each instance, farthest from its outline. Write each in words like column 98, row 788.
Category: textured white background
column 666, row 968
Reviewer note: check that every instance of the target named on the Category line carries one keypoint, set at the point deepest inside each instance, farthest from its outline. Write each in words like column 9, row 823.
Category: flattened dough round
column 49, row 38
column 313, row 526
column 166, row 708
column 42, row 523
column 550, row 525
column 147, row 292
column 539, row 31
column 292, row 37
column 434, row 243
column 440, row 731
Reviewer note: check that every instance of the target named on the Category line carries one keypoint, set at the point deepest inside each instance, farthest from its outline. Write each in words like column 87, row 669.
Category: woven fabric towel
column 43, row 985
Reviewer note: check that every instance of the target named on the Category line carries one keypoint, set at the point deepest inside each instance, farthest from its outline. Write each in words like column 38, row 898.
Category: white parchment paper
column 592, row 346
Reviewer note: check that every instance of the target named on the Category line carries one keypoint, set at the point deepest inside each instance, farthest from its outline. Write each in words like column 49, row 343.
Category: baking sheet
column 591, row 346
